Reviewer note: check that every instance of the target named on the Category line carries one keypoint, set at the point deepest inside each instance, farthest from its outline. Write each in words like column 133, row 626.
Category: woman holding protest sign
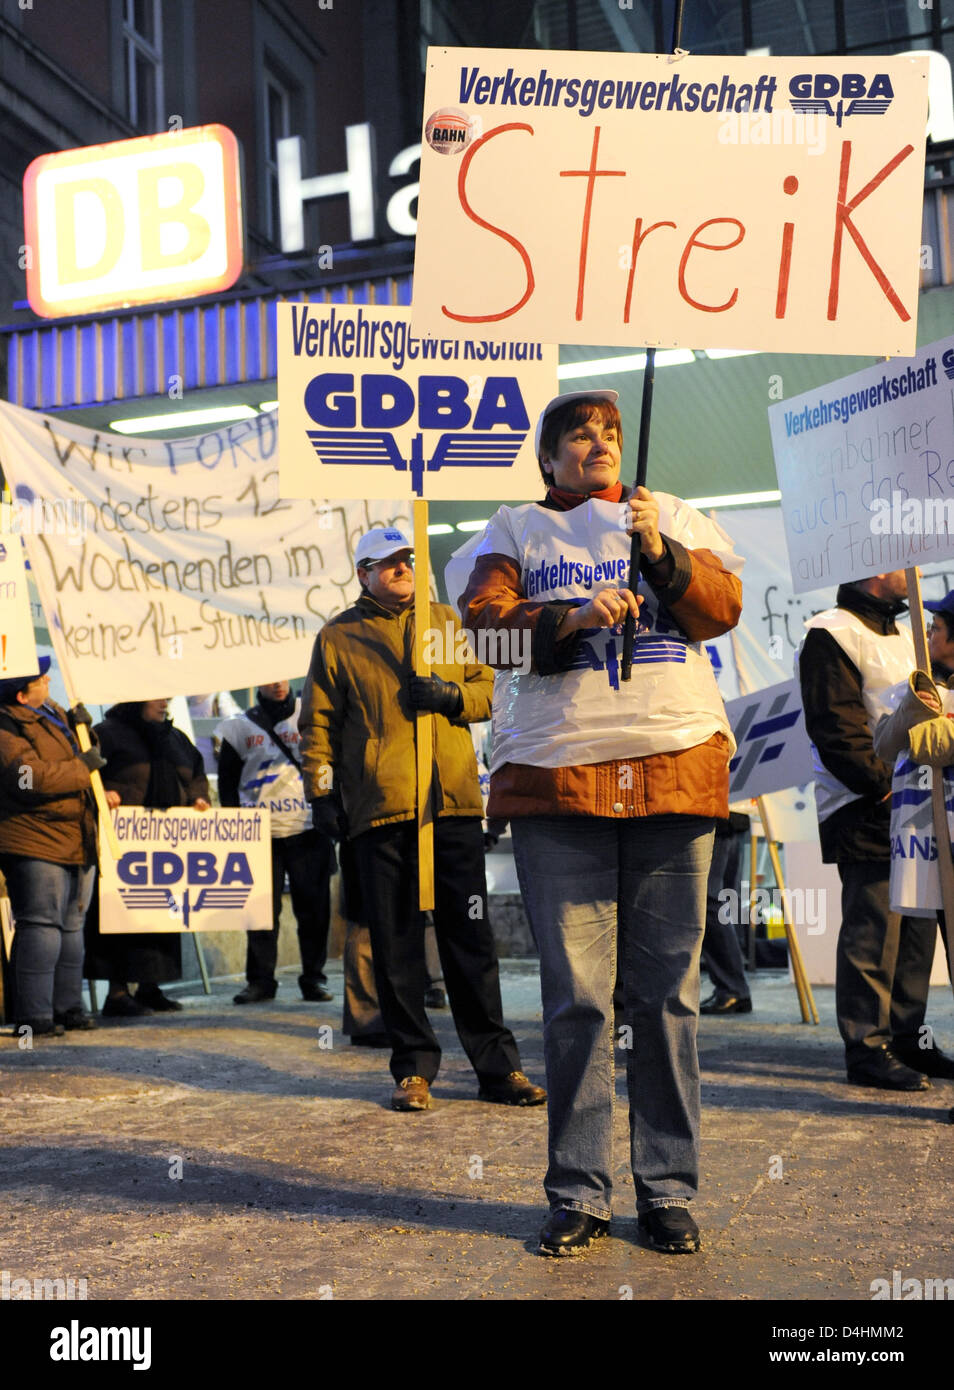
column 611, row 790
column 149, row 762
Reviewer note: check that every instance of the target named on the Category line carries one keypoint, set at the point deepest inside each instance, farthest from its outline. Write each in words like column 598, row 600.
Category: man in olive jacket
column 357, row 729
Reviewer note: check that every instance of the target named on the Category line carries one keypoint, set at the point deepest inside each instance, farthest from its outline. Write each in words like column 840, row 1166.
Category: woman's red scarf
column 566, row 501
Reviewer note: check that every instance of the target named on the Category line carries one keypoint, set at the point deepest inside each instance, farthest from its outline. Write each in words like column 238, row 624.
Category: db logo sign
column 135, row 222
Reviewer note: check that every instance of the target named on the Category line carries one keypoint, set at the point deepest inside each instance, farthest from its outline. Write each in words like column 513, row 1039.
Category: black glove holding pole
column 432, row 693
column 93, row 759
column 79, row 714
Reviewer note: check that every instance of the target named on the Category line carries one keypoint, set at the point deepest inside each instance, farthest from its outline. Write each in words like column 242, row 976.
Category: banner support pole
column 424, row 719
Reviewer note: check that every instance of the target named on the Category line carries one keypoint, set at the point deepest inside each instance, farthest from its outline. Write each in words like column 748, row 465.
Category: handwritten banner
column 866, row 470
column 362, row 397
column 185, row 870
column 166, row 566
column 622, row 198
column 17, row 643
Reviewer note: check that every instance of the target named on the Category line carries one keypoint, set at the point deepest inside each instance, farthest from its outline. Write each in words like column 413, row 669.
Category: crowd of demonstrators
column 612, row 790
column 358, row 727
column 853, row 666
column 149, row 762
column 259, row 765
column 47, row 851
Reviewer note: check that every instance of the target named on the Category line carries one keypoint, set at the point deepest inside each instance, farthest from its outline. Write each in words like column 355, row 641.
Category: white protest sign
column 367, row 406
column 185, row 870
column 773, row 751
column 17, row 643
column 630, row 198
column 171, row 566
column 866, row 470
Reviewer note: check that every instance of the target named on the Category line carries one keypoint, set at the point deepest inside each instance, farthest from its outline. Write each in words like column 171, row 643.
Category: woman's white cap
column 598, row 395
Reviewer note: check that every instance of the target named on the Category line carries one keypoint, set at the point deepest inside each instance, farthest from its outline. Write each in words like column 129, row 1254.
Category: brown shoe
column 514, row 1089
column 411, row 1093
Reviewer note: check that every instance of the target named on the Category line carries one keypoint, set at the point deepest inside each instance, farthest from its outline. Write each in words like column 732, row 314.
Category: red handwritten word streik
column 844, row 205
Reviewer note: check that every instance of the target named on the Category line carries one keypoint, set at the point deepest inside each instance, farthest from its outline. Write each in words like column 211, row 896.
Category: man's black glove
column 93, row 759
column 327, row 817
column 79, row 714
column 430, row 692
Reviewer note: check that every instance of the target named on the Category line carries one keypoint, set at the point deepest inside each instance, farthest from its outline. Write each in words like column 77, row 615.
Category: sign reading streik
column 367, row 408
column 134, row 222
column 762, row 203
column 185, row 870
column 866, row 470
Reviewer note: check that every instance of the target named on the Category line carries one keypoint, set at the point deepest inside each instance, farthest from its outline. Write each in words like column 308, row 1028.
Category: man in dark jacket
column 851, row 658
column 48, row 842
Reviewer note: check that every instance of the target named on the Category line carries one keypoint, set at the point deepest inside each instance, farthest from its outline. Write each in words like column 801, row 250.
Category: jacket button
column 617, row 807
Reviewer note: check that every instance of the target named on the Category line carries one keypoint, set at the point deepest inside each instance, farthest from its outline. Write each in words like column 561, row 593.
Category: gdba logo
column 388, row 402
column 151, row 878
column 812, row 93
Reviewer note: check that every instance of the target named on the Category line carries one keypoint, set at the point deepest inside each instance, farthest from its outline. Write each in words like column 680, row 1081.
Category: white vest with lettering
column 915, row 877
column 883, row 661
column 586, row 714
column 268, row 778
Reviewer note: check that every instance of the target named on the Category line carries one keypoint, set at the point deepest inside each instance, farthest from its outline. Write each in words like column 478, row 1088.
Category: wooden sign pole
column 424, row 719
column 941, row 830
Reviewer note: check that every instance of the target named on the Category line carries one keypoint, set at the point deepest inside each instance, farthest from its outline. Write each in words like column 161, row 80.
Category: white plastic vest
column 883, row 662
column 587, row 715
column 268, row 778
column 915, row 878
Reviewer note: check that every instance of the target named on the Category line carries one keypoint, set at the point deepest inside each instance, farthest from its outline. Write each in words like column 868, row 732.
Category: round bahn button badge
column 450, row 130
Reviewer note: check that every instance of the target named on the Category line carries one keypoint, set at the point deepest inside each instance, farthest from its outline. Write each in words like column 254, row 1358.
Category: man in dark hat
column 48, row 842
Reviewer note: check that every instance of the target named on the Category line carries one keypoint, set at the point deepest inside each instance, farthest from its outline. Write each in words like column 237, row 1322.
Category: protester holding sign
column 149, row 762
column 48, row 857
column 611, row 791
column 359, row 759
column 850, row 665
column 259, row 766
column 918, row 737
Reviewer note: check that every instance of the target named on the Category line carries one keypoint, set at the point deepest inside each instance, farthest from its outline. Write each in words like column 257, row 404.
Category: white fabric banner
column 367, row 406
column 866, row 470
column 177, row 566
column 185, row 870
column 17, row 642
column 633, row 198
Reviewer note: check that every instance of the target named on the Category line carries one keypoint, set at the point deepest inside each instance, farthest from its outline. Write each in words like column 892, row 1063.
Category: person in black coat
column 149, row 762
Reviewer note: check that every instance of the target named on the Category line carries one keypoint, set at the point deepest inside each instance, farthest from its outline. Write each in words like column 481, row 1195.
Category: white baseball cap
column 600, row 394
column 379, row 543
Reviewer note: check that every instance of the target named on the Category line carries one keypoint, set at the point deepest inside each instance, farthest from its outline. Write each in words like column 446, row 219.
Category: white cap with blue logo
column 379, row 543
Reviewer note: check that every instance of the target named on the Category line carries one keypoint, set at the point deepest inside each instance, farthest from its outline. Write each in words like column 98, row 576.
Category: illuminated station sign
column 134, row 222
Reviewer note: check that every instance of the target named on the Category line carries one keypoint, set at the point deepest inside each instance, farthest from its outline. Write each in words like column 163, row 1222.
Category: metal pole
column 642, row 454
